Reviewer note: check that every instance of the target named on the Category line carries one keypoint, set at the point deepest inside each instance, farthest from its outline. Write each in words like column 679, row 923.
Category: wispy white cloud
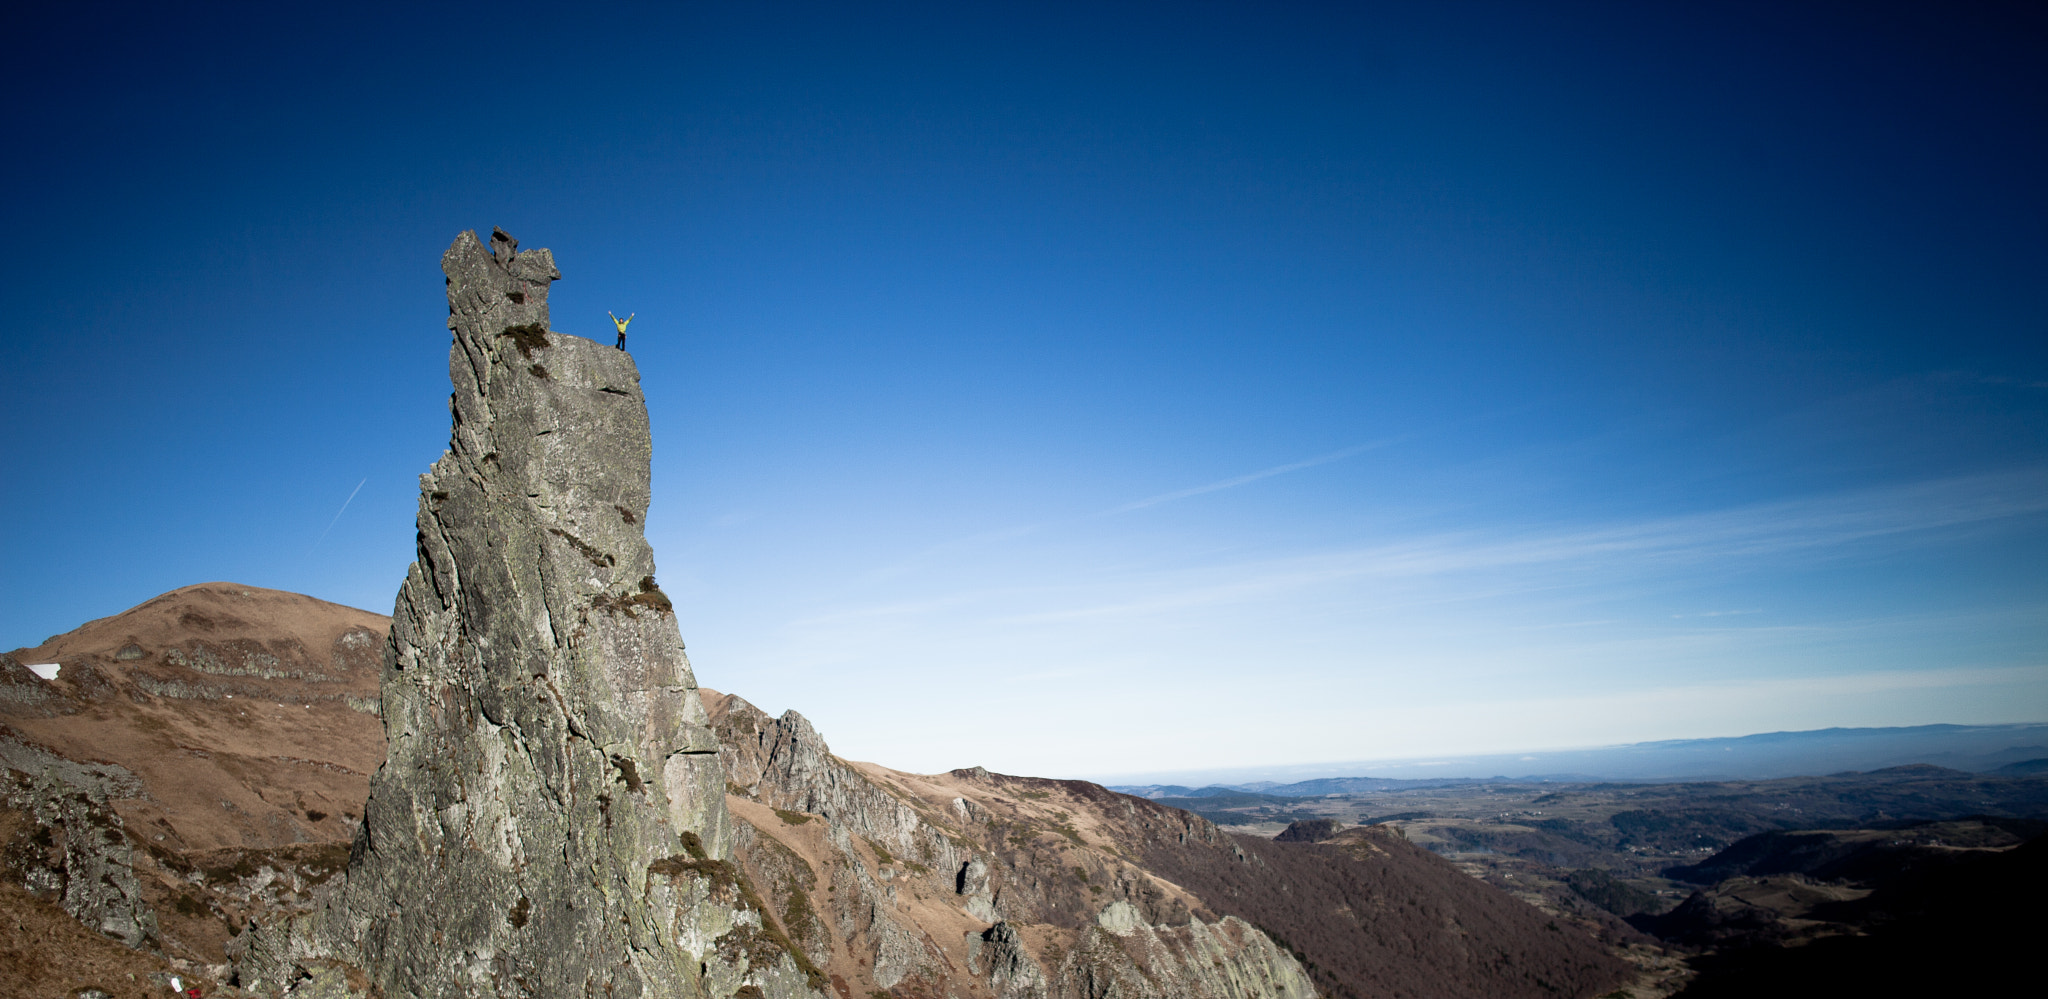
column 1239, row 480
column 1506, row 605
column 956, row 547
column 1983, row 379
column 878, row 612
column 1509, row 635
column 983, row 539
column 1864, row 522
column 1553, row 625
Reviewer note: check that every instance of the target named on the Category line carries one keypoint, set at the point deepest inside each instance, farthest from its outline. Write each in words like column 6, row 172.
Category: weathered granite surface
column 550, row 818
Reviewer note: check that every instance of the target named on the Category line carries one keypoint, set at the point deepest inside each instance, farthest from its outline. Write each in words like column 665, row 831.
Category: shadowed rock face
column 550, row 817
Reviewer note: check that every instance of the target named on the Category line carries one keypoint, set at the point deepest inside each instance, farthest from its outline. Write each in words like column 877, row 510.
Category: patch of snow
column 47, row 671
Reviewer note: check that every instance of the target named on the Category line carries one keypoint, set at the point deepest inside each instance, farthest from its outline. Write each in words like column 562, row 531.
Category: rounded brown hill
column 248, row 716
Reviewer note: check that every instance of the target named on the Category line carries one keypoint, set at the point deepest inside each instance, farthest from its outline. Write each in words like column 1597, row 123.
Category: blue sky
column 1102, row 388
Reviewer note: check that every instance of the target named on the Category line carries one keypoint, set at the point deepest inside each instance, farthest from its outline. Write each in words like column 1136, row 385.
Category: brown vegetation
column 46, row 954
column 1371, row 914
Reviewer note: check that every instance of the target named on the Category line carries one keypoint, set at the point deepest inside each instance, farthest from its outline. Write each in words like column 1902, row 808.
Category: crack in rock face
column 550, row 818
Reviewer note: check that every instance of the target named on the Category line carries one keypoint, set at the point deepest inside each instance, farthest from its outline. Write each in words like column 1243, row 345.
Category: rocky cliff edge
column 974, row 884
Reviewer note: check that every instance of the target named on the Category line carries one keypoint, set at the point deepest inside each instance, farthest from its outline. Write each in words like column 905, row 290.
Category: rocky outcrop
column 1012, row 972
column 550, row 817
column 21, row 687
column 784, row 763
column 62, row 840
column 1125, row 957
column 1309, row 831
column 974, row 884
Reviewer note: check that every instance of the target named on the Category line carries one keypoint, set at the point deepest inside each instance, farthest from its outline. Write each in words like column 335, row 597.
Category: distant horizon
column 1468, row 766
column 1439, row 765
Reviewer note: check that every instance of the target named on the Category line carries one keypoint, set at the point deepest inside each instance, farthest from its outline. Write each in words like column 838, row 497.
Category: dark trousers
column 622, row 341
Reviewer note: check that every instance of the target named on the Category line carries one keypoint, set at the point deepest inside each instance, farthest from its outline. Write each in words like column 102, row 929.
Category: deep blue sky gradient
column 1685, row 371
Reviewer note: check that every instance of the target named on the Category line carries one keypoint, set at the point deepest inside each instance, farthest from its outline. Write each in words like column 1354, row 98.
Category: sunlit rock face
column 975, row 884
column 550, row 819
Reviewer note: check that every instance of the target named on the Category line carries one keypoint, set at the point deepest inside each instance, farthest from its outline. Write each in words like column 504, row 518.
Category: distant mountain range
column 1977, row 748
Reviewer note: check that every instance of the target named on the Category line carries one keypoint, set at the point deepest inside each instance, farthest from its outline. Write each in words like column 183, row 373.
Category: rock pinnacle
column 550, row 818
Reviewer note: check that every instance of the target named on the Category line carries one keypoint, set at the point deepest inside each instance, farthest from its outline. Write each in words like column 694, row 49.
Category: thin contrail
column 337, row 515
column 1322, row 459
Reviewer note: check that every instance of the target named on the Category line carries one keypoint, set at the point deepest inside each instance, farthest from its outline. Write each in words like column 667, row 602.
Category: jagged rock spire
column 550, row 819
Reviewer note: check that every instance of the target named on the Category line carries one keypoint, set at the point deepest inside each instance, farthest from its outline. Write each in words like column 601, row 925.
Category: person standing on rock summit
column 621, row 324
